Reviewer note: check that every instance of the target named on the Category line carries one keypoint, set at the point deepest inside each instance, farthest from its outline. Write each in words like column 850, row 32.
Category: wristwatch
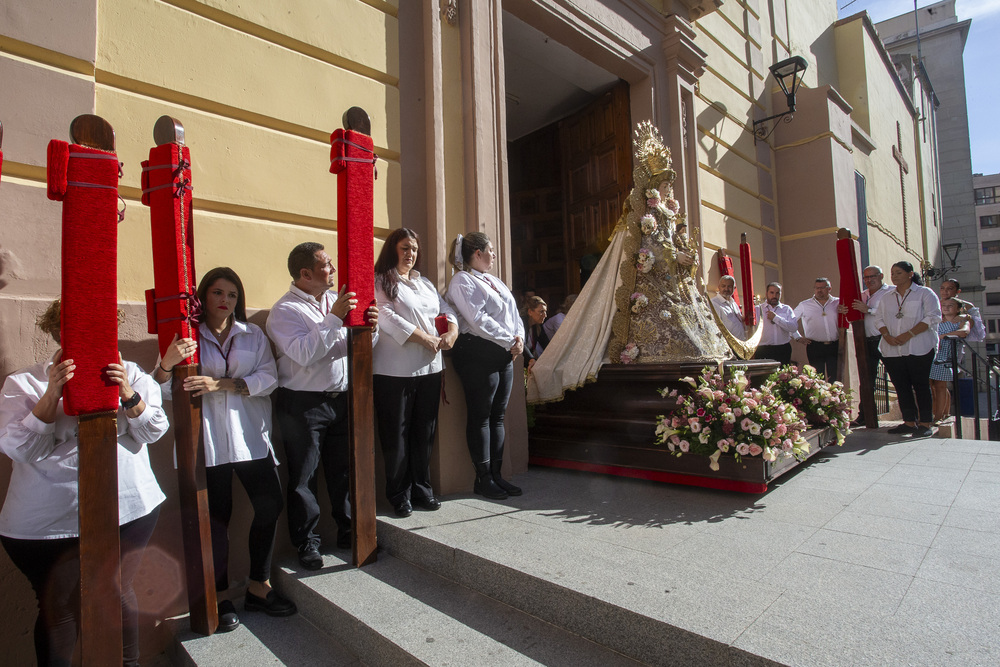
column 132, row 402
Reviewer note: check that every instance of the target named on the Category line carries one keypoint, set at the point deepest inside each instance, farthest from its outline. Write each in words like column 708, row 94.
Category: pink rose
column 755, row 450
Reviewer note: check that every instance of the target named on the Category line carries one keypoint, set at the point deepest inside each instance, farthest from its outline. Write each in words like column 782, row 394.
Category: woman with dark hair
column 239, row 373
column 39, row 523
column 492, row 335
column 407, row 368
column 908, row 319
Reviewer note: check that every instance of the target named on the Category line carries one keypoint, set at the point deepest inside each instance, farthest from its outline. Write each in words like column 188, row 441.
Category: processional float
column 84, row 175
column 172, row 309
column 352, row 159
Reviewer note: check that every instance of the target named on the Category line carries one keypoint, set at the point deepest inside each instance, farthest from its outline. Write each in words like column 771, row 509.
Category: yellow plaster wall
column 259, row 87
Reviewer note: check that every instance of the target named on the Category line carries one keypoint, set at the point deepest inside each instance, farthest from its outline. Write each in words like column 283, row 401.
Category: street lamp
column 788, row 74
column 951, row 252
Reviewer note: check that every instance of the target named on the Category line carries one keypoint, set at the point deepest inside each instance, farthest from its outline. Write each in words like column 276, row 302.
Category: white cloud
column 977, row 9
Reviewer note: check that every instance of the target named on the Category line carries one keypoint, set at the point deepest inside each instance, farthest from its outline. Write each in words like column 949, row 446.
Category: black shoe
column 272, row 605
column 344, row 539
column 858, row 423
column 310, row 557
column 403, row 509
column 485, row 486
column 509, row 488
column 922, row 431
column 902, row 429
column 429, row 504
column 228, row 620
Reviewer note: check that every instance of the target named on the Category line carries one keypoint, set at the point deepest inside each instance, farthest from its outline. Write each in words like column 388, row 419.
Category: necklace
column 821, row 305
column 899, row 304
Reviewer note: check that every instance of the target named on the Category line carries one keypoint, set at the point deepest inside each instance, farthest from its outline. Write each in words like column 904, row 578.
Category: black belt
column 875, row 337
column 824, row 342
column 323, row 394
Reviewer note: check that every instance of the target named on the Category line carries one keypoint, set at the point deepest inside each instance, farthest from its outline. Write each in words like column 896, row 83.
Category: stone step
column 260, row 640
column 395, row 613
column 575, row 585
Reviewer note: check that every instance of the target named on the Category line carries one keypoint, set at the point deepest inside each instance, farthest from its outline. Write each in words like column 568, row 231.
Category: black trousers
column 780, row 353
column 824, row 357
column 874, row 356
column 260, row 480
column 910, row 376
column 487, row 373
column 314, row 429
column 407, row 410
column 53, row 569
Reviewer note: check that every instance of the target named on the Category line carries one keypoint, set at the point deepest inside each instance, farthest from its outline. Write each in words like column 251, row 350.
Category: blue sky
column 982, row 83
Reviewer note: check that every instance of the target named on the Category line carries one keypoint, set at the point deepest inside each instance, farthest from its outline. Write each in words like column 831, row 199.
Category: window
column 989, row 221
column 991, row 348
column 991, row 247
column 991, row 272
column 992, row 326
column 993, row 298
column 987, row 195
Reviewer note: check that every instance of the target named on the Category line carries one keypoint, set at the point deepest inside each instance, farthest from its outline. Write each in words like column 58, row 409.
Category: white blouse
column 43, row 497
column 416, row 305
column 486, row 308
column 236, row 427
column 919, row 304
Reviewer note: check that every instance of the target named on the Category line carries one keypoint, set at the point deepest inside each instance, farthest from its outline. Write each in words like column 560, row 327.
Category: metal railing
column 985, row 375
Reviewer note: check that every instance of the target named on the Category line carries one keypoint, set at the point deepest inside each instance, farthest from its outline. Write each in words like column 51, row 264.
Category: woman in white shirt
column 492, row 335
column 407, row 370
column 908, row 319
column 238, row 375
column 39, row 523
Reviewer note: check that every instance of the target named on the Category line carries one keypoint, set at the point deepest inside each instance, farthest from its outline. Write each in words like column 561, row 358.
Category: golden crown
column 650, row 151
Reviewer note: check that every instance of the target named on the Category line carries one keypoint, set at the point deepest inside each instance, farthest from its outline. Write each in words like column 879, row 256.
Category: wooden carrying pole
column 353, row 162
column 172, row 310
column 100, row 576
column 849, row 291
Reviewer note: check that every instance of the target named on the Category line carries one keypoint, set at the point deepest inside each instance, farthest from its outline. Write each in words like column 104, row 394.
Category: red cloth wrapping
column 441, row 324
column 166, row 189
column 352, row 159
column 850, row 286
column 746, row 273
column 1, row 162
column 726, row 269
column 86, row 181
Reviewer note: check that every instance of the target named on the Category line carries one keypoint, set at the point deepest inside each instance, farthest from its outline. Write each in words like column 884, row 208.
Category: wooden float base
column 609, row 427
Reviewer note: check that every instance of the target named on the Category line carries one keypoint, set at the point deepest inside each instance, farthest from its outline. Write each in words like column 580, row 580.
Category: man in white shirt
column 875, row 291
column 729, row 311
column 950, row 289
column 779, row 326
column 306, row 326
column 818, row 315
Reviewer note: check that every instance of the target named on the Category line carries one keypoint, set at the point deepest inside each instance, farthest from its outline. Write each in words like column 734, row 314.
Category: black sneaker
column 228, row 620
column 272, row 605
column 902, row 429
column 310, row 557
column 922, row 432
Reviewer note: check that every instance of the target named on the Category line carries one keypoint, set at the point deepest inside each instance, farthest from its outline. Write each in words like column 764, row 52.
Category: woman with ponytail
column 908, row 318
column 492, row 335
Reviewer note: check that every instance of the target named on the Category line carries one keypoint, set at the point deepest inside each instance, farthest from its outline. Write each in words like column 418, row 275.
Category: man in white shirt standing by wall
column 307, row 328
column 818, row 315
column 779, row 327
column 729, row 311
column 874, row 292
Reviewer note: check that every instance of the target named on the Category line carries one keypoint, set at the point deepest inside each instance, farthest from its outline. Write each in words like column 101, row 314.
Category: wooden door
column 596, row 146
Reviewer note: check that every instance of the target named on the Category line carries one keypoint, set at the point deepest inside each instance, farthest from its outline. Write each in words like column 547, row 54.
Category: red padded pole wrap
column 352, row 159
column 850, row 288
column 86, row 179
column 746, row 273
column 166, row 189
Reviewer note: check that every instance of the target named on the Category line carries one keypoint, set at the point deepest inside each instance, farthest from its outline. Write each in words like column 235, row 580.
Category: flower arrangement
column 630, row 353
column 823, row 402
column 645, row 260
column 726, row 415
column 673, row 205
column 639, row 301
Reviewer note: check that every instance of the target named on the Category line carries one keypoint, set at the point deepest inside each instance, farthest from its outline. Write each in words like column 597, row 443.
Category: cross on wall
column 904, row 169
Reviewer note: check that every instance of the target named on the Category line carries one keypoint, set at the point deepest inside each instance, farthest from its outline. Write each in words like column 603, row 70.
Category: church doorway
column 569, row 157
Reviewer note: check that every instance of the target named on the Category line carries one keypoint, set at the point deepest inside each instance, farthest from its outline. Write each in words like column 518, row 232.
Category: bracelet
column 164, row 369
column 132, row 402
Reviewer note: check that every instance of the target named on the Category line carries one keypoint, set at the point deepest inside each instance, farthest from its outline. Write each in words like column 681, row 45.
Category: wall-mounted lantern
column 951, row 252
column 788, row 74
